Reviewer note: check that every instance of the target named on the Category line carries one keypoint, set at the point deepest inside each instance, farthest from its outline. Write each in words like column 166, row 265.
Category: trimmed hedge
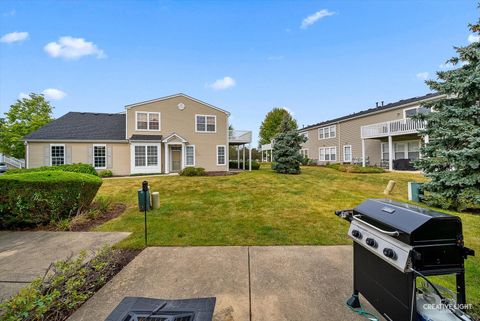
column 35, row 198
column 234, row 165
column 75, row 168
column 105, row 173
column 192, row 171
column 349, row 168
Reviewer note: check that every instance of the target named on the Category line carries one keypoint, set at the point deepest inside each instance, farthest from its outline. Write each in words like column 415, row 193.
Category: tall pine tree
column 451, row 158
column 286, row 149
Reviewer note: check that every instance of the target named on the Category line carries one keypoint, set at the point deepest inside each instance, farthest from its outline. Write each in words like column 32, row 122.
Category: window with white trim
column 347, row 153
column 190, row 155
column 304, row 152
column 152, row 155
column 327, row 153
column 221, row 155
column 305, row 134
column 99, row 156
column 206, row 123
column 147, row 120
column 140, row 156
column 410, row 112
column 57, row 155
column 327, row 132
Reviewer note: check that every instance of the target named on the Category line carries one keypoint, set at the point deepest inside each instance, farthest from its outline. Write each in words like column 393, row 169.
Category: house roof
column 173, row 96
column 136, row 137
column 82, row 126
column 374, row 110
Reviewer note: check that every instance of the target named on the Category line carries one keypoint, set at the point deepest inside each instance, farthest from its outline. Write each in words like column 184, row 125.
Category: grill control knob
column 371, row 242
column 390, row 253
column 357, row 234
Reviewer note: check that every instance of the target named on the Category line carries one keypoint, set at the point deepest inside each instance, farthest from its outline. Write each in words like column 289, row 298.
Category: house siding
column 348, row 132
column 182, row 122
column 80, row 154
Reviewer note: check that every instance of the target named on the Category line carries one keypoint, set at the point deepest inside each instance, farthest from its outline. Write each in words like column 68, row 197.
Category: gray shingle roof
column 82, row 126
column 372, row 110
column 136, row 137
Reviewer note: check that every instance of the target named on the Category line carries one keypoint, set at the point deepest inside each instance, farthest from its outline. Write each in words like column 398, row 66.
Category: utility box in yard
column 143, row 200
column 415, row 191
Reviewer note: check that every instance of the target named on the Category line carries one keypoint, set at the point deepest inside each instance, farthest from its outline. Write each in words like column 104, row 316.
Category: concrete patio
column 25, row 256
column 250, row 283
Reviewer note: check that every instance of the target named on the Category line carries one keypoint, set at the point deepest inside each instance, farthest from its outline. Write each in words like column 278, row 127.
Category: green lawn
column 262, row 208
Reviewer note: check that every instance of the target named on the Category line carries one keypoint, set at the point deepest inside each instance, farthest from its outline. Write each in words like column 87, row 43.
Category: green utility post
column 144, row 203
column 415, row 191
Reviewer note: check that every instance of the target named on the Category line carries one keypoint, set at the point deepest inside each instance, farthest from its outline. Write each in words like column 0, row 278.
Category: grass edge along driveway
column 263, row 208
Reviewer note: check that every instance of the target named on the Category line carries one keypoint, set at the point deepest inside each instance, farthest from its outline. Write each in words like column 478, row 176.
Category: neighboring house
column 383, row 136
column 163, row 135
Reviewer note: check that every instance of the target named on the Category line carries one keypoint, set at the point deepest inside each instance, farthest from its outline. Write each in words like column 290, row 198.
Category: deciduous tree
column 271, row 124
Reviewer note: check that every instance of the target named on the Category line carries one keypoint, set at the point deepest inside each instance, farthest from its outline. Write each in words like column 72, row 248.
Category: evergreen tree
column 286, row 149
column 451, row 158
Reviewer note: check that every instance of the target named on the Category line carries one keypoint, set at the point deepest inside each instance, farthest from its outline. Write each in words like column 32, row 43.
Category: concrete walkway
column 25, row 256
column 293, row 283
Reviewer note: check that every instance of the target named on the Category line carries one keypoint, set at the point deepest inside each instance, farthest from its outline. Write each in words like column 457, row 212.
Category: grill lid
column 403, row 217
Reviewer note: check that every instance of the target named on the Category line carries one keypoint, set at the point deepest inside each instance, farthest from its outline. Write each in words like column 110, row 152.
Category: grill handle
column 394, row 233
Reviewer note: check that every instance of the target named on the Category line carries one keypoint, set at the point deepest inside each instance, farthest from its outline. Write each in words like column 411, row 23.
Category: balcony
column 238, row 137
column 392, row 128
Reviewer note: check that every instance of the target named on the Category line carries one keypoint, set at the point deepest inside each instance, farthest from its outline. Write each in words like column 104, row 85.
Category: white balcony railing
column 15, row 162
column 240, row 136
column 266, row 147
column 392, row 128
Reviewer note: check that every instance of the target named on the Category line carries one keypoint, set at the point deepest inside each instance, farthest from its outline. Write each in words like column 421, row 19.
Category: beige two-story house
column 162, row 135
column 383, row 136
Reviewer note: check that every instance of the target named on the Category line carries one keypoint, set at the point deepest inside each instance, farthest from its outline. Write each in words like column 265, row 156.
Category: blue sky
column 319, row 59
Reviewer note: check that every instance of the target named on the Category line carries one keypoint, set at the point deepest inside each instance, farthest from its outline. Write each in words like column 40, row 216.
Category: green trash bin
column 141, row 200
column 415, row 191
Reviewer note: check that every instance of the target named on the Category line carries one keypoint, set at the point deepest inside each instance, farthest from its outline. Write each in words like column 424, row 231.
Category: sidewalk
column 250, row 283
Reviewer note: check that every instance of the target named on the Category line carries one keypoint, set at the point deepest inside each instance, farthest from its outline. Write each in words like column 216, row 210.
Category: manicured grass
column 262, row 208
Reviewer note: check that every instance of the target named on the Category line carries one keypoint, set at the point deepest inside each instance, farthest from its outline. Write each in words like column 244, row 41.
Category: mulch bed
column 87, row 225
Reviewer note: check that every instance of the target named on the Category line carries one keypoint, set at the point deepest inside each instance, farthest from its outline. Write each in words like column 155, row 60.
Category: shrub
column 105, row 173
column 349, row 168
column 75, row 168
column 234, row 165
column 35, row 198
column 193, row 171
column 68, row 285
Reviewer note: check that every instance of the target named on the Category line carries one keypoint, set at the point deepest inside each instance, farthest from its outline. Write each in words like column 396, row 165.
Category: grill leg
column 461, row 297
column 354, row 301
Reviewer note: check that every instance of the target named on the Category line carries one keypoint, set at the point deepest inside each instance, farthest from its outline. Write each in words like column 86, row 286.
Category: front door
column 176, row 159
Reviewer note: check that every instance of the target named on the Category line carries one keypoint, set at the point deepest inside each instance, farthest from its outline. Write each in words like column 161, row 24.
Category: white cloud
column 10, row 13
column 423, row 75
column 289, row 111
column 14, row 37
column 275, row 57
column 73, row 48
column 54, row 94
column 311, row 19
column 23, row 95
column 446, row 66
column 473, row 38
column 221, row 84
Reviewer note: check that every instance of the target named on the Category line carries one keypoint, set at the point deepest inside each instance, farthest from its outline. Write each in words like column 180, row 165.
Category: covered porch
column 399, row 140
column 241, row 141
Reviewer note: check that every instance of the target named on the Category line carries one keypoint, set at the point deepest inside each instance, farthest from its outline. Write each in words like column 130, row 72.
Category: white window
column 413, row 150
column 327, row 132
column 347, row 153
column 305, row 134
column 205, row 123
column 140, row 156
column 304, row 152
column 327, row 153
column 147, row 121
column 99, row 156
column 409, row 112
column 152, row 155
column 385, row 155
column 403, row 150
column 57, row 154
column 221, row 157
column 190, row 155
column 399, row 150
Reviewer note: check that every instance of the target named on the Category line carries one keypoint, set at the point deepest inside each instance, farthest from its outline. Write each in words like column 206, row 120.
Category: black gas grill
column 396, row 242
